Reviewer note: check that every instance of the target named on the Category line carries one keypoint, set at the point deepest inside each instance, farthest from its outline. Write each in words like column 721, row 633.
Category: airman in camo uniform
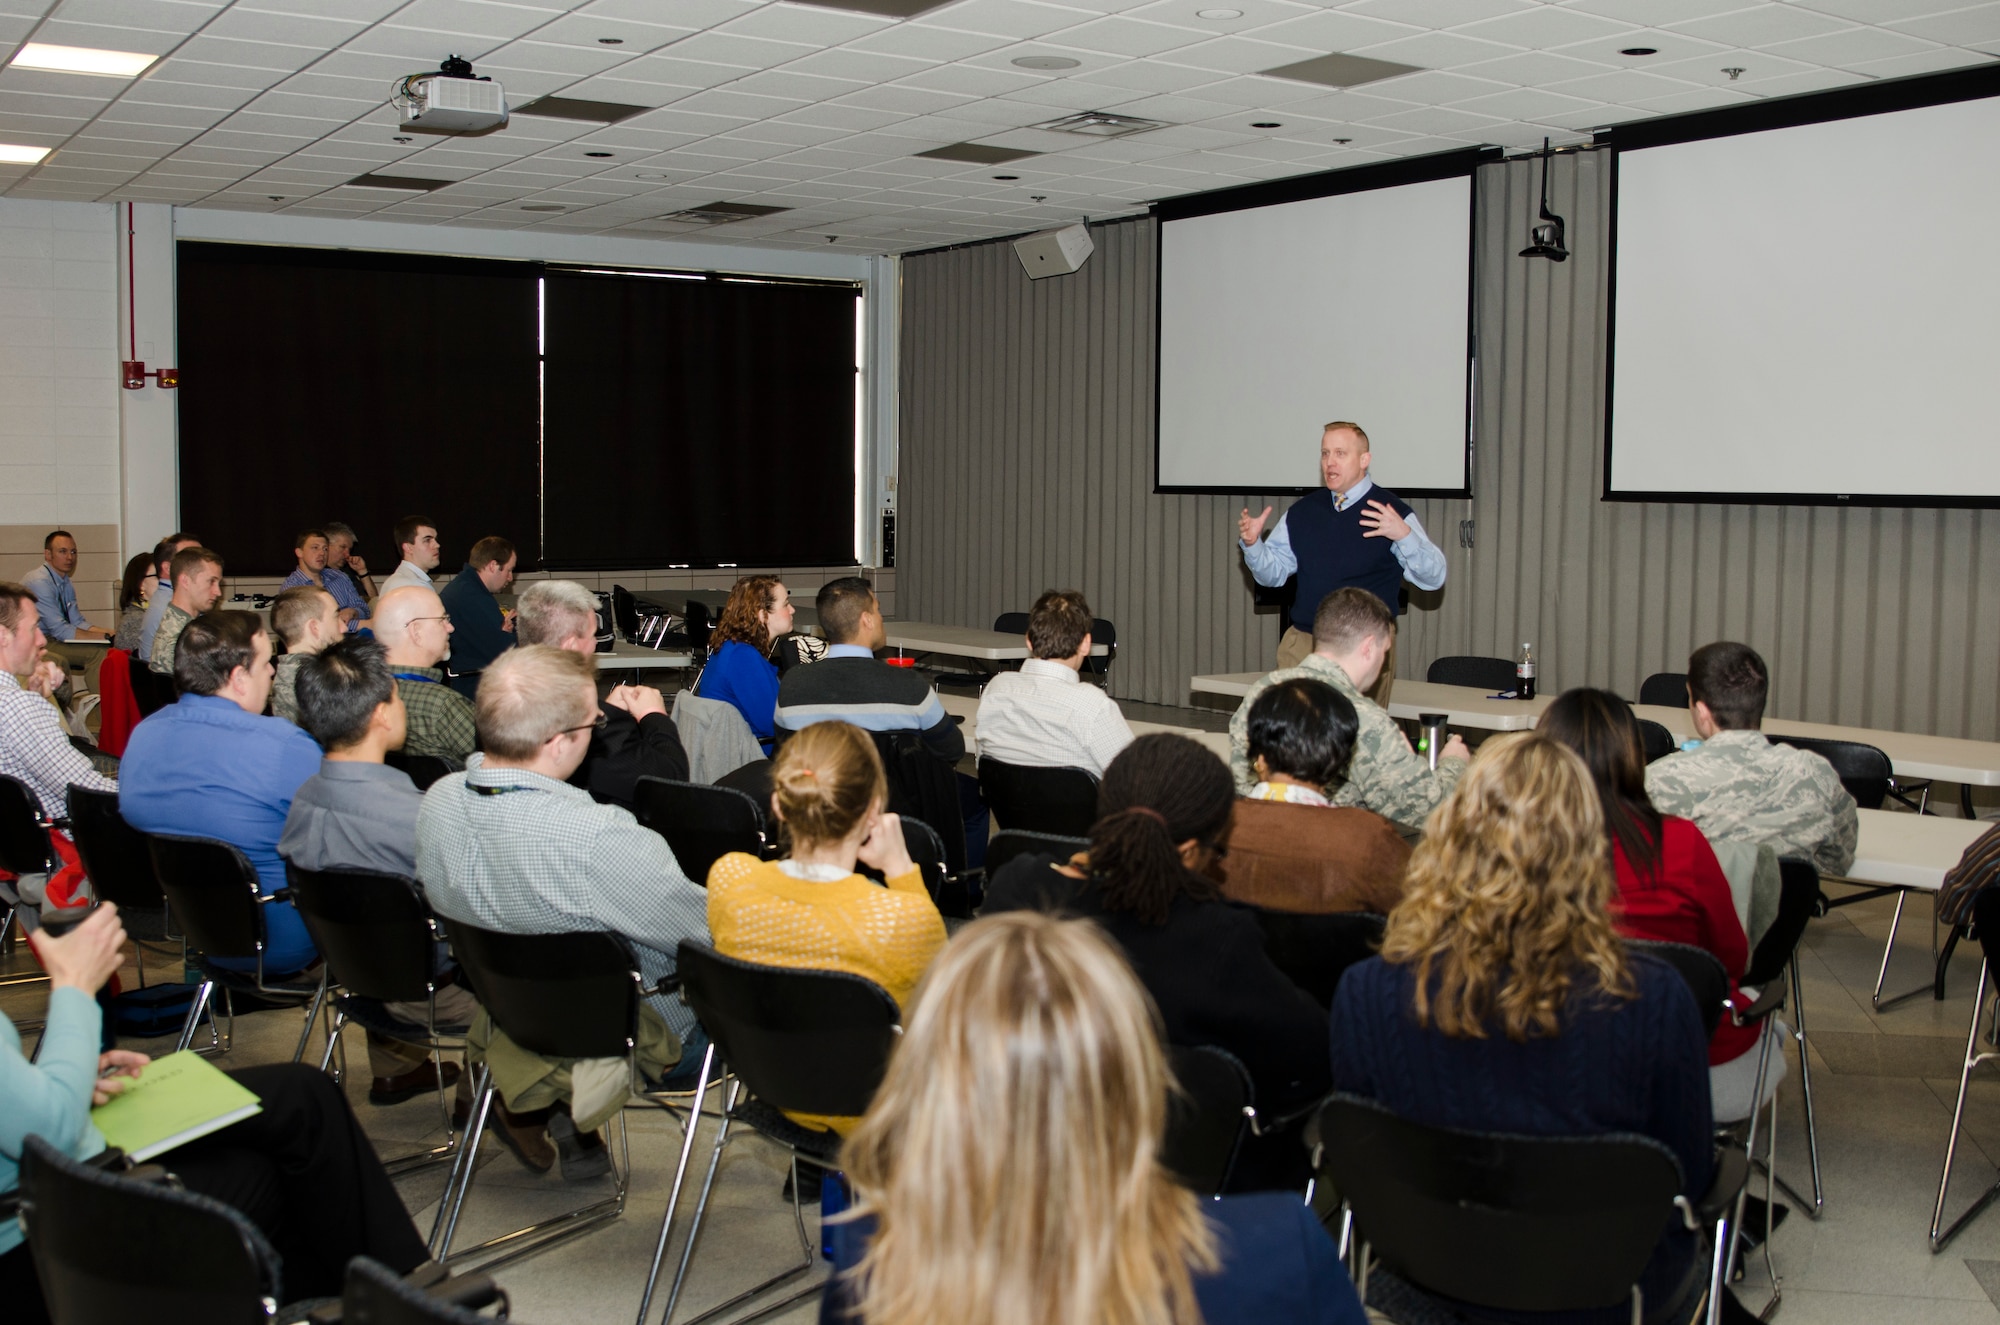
column 1739, row 787
column 1350, row 633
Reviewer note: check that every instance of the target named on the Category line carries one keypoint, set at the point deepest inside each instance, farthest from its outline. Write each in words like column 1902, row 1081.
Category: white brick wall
column 59, row 428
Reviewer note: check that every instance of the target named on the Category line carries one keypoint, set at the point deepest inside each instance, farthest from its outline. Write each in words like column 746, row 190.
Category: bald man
column 413, row 627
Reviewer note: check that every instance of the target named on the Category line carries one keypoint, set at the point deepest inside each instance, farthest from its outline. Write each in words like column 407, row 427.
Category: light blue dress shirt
column 55, row 602
column 1272, row 560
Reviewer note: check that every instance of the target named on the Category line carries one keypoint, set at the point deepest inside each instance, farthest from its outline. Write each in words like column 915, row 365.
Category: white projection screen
column 1811, row 312
column 1279, row 316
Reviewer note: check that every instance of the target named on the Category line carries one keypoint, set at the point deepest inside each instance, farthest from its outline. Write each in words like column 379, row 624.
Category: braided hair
column 1160, row 791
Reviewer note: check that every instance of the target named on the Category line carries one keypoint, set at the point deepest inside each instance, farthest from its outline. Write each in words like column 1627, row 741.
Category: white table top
column 624, row 655
column 1910, row 850
column 963, row 641
column 1468, row 706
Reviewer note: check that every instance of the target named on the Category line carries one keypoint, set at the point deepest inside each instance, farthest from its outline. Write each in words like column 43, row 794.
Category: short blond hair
column 295, row 608
column 1342, row 425
column 529, row 694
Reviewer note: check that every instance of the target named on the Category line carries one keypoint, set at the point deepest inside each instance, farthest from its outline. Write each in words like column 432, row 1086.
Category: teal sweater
column 51, row 1098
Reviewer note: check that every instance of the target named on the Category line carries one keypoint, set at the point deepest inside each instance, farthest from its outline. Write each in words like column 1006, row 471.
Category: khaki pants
column 1296, row 644
column 86, row 658
column 392, row 1058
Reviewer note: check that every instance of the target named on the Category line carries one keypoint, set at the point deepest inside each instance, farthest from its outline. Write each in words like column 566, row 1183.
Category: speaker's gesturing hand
column 1249, row 528
column 1381, row 521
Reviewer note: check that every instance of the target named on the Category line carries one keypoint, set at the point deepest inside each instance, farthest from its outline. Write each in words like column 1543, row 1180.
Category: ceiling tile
column 997, row 111
column 918, row 40
column 1813, row 80
column 1432, row 88
column 1438, row 13
column 1435, row 50
column 787, row 81
column 973, row 81
column 92, row 36
column 1238, row 55
column 1154, row 76
column 811, row 24
column 163, row 15
column 1649, row 11
column 1125, row 36
column 1621, row 88
column 1760, row 25
column 477, row 17
column 1254, row 92
column 1880, row 11
column 1329, row 31
column 1007, row 18
column 1524, row 103
column 1669, row 45
column 1978, row 26
column 1703, row 98
column 900, row 100
column 549, row 58
column 1934, row 60
column 1545, row 26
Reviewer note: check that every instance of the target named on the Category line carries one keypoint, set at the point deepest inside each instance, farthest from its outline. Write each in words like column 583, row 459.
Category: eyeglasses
column 595, row 725
column 446, row 618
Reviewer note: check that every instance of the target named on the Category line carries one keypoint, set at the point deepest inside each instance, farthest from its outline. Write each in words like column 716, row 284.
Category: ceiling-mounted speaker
column 1054, row 252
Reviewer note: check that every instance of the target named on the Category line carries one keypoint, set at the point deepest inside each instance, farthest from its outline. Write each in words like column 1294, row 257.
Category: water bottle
column 833, row 1199
column 1524, row 673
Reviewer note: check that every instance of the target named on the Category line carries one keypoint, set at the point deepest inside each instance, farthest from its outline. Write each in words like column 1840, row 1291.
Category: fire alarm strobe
column 135, row 375
column 451, row 100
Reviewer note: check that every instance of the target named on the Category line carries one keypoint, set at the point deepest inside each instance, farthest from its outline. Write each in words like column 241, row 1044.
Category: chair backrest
column 213, row 889
column 1040, row 800
column 923, row 786
column 376, row 1295
column 373, row 929
column 111, row 1249
column 814, row 1042
column 1008, row 843
column 114, row 853
column 422, row 769
column 701, row 824
column 150, row 690
column 1491, row 674
column 1658, row 741
column 1508, row 1223
column 624, row 613
column 1863, row 769
column 24, row 843
column 1704, row 975
column 1011, row 623
column 700, row 625
column 1986, row 924
column 1316, row 950
column 573, row 995
column 948, row 891
column 1206, row 1117
column 1101, row 632
column 1666, row 689
column 1798, row 902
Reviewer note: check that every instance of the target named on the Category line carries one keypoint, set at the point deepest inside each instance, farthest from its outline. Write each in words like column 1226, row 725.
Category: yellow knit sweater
column 758, row 913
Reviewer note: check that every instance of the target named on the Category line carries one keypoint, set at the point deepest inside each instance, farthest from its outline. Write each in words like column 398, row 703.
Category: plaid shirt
column 440, row 717
column 510, row 850
column 34, row 749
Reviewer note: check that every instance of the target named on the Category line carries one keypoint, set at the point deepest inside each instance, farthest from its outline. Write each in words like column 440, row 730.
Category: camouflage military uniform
column 440, row 718
column 1385, row 775
column 1739, row 787
column 167, row 638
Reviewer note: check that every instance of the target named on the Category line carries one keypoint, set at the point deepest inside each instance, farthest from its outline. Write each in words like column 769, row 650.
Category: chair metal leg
column 1817, row 1206
column 446, row 1225
column 195, row 1008
column 1973, row 1058
column 680, row 1178
column 312, row 1017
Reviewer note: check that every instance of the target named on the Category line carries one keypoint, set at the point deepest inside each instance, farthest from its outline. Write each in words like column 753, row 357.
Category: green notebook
column 173, row 1100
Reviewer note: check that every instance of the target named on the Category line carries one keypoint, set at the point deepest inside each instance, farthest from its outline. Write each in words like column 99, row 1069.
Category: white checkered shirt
column 1043, row 716
column 513, row 851
column 34, row 748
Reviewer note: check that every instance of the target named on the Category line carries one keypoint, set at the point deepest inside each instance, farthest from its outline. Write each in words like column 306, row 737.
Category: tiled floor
column 1884, row 1085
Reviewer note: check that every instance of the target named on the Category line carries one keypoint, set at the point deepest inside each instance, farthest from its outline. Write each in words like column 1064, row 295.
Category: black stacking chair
column 112, row 1248
column 150, row 691
column 1666, row 689
column 1658, row 741
column 1490, row 674
column 422, row 769
column 1985, row 928
column 948, row 891
column 24, row 849
column 1314, row 951
column 1774, row 964
column 377, row 1295
column 1515, row 1223
column 573, row 995
column 214, row 892
column 1864, row 770
column 1207, row 1118
column 1039, row 800
column 1008, row 843
column 1101, row 632
column 1703, row 974
column 381, row 946
column 701, row 823
column 810, row 1042
column 923, row 786
column 115, row 856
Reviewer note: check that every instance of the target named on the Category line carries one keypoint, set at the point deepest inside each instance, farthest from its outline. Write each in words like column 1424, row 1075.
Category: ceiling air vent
column 1340, row 70
column 720, row 213
column 978, row 154
column 412, row 183
column 1101, row 124
column 574, row 108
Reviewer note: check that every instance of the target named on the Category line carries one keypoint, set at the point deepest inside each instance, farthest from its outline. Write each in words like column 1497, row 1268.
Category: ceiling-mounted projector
column 450, row 101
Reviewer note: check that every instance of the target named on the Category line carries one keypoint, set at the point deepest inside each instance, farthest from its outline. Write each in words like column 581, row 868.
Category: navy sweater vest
column 1334, row 552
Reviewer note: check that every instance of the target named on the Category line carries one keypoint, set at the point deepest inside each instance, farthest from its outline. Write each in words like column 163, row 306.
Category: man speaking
column 1357, row 534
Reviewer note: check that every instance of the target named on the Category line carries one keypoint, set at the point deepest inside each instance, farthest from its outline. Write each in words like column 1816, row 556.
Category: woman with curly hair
column 740, row 672
column 1008, row 1171
column 1505, row 1001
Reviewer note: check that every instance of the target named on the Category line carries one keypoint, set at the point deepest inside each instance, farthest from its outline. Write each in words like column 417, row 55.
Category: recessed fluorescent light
column 13, row 154
column 82, row 60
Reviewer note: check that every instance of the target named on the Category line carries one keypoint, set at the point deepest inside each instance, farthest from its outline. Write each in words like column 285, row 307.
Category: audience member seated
column 357, row 813
column 1008, row 1169
column 342, row 563
column 1504, row 1001
column 414, row 627
column 1670, row 885
column 509, row 845
column 416, row 538
column 811, row 909
column 163, row 595
column 638, row 738
column 140, row 582
column 1165, row 807
column 197, row 581
column 301, row 1169
column 213, row 766
column 307, row 619
column 852, row 685
column 62, row 620
column 1352, row 633
column 1739, row 787
column 310, row 547
column 33, row 745
column 740, row 672
column 1289, row 849
column 1043, row 716
column 481, row 631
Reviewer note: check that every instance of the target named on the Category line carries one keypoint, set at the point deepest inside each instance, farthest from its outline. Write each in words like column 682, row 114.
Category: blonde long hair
column 1507, row 900
column 1011, row 1158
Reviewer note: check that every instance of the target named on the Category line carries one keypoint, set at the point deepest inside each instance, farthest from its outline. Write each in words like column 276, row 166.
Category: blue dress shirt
column 55, row 602
column 1272, row 560
column 345, row 595
column 203, row 767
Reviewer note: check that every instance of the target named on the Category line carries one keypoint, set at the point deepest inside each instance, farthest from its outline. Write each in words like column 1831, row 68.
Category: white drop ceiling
column 272, row 105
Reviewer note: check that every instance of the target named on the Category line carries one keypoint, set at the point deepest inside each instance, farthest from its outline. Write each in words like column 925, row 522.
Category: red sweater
column 1687, row 900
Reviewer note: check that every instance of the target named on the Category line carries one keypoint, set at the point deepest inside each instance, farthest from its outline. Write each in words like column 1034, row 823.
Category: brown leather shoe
column 526, row 1134
column 419, row 1079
